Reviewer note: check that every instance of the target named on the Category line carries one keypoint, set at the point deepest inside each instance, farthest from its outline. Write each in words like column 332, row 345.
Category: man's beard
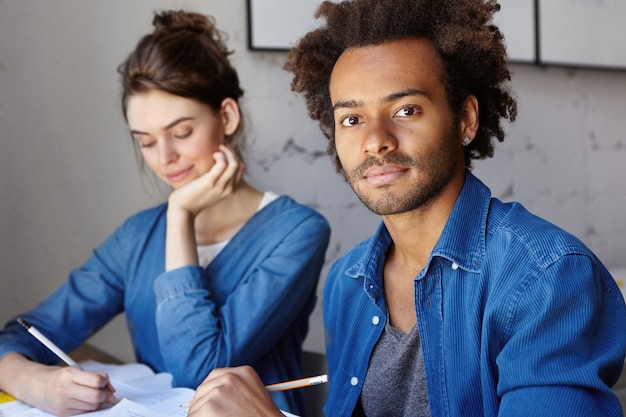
column 437, row 172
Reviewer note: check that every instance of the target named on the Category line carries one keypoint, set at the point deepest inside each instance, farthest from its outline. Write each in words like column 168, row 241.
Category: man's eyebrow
column 169, row 126
column 405, row 93
column 349, row 104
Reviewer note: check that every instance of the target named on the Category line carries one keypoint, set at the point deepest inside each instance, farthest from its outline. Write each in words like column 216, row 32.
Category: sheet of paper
column 139, row 390
column 127, row 408
column 19, row 409
column 134, row 384
column 125, row 372
column 13, row 408
column 164, row 401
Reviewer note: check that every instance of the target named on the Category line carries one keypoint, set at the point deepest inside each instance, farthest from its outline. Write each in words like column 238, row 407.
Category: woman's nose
column 167, row 152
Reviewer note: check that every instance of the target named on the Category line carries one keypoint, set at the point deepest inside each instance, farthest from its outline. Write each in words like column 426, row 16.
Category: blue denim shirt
column 251, row 305
column 516, row 317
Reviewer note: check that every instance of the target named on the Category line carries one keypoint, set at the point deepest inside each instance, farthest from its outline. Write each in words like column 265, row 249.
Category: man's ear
column 468, row 123
column 229, row 113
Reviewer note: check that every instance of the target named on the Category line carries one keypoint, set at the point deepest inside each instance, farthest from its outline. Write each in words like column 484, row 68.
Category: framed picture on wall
column 517, row 21
column 276, row 25
column 576, row 33
column 583, row 33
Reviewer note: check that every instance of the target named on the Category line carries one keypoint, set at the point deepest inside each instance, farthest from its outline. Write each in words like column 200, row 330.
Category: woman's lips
column 178, row 176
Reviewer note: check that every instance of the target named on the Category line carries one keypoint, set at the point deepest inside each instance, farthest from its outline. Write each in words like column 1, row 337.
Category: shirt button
column 354, row 381
column 455, row 266
column 375, row 320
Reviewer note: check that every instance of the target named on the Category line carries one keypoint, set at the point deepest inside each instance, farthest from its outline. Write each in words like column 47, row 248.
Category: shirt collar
column 463, row 239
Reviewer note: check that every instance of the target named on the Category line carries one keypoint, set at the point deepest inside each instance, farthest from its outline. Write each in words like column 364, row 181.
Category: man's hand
column 233, row 392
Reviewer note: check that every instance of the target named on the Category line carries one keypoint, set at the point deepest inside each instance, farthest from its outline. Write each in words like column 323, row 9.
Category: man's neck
column 415, row 233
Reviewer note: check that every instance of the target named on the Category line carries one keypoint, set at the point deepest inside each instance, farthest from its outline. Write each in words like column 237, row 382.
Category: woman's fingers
column 215, row 185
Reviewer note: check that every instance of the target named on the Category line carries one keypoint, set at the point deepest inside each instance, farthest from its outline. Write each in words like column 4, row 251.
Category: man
column 459, row 304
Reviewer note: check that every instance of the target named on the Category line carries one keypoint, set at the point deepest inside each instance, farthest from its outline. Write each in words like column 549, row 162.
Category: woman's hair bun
column 172, row 21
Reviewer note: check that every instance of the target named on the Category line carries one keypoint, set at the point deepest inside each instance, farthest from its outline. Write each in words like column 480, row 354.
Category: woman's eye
column 407, row 111
column 146, row 145
column 349, row 121
column 183, row 135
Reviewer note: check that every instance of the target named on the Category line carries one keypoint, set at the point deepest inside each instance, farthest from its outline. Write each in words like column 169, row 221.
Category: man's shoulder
column 513, row 223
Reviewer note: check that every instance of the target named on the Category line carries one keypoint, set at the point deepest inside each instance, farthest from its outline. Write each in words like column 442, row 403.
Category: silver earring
column 466, row 141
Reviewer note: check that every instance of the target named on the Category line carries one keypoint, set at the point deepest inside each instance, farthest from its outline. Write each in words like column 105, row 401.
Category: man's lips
column 383, row 174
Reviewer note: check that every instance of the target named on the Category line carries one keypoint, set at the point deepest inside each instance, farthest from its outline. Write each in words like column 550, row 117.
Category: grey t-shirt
column 395, row 383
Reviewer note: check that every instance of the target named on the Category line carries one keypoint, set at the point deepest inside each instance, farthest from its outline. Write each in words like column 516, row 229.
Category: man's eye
column 407, row 111
column 349, row 121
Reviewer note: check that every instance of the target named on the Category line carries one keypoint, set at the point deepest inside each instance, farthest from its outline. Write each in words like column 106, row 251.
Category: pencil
column 54, row 348
column 297, row 383
column 284, row 386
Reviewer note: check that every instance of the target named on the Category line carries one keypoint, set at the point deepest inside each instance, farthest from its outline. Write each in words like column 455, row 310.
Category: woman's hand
column 233, row 392
column 217, row 184
column 62, row 391
column 185, row 203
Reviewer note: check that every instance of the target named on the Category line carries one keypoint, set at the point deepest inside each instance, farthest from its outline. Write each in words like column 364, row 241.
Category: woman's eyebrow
column 169, row 126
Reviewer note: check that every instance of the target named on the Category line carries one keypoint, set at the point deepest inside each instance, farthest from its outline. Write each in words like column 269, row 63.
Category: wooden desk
column 89, row 352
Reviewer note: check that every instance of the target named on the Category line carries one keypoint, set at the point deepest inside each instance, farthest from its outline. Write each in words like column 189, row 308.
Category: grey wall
column 68, row 175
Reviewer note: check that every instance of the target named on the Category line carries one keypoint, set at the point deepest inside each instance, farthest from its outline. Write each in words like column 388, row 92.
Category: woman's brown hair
column 185, row 55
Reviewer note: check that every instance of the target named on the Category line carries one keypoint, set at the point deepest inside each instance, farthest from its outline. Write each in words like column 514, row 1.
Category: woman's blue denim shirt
column 251, row 305
column 516, row 317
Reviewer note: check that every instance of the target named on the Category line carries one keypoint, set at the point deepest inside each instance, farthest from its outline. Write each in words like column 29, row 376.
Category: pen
column 54, row 348
column 283, row 386
column 47, row 343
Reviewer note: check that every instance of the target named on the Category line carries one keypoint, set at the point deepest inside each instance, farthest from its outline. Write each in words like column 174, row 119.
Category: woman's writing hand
column 62, row 391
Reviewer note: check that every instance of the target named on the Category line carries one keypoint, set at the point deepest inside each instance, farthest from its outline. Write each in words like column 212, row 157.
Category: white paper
column 127, row 408
column 140, row 392
column 137, row 388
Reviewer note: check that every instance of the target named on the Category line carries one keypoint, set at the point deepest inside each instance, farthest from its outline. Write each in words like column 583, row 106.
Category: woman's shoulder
column 145, row 219
column 149, row 214
column 284, row 207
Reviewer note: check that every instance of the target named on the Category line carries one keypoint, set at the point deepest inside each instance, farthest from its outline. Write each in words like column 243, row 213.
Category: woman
column 221, row 275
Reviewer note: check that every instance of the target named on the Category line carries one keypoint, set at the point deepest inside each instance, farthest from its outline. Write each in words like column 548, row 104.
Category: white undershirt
column 206, row 253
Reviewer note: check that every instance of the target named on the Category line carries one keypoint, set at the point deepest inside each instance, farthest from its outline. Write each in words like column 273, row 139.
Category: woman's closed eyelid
column 147, row 145
column 183, row 134
column 143, row 142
